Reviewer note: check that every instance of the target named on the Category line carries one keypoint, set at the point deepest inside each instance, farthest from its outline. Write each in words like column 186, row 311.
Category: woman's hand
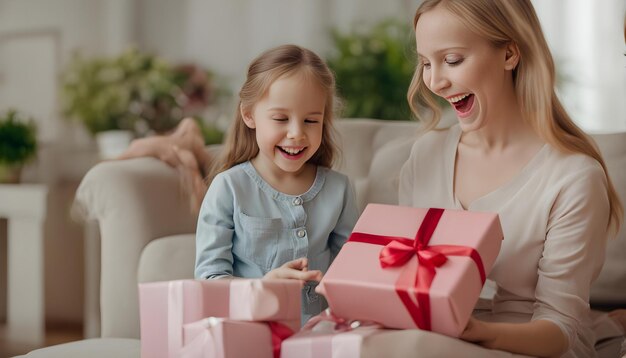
column 296, row 270
column 480, row 332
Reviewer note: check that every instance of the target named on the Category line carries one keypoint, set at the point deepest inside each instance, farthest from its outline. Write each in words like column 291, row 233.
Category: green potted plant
column 374, row 67
column 136, row 92
column 18, row 144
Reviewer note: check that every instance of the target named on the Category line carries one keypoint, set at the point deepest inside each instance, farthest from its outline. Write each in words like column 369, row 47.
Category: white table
column 24, row 205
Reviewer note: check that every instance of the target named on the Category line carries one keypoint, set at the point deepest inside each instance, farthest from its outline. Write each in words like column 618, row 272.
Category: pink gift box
column 326, row 337
column 222, row 338
column 164, row 307
column 435, row 294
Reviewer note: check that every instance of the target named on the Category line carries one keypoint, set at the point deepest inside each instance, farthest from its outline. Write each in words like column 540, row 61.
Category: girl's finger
column 314, row 275
column 296, row 264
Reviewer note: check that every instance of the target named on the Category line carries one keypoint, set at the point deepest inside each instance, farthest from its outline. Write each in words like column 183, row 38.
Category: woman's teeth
column 455, row 99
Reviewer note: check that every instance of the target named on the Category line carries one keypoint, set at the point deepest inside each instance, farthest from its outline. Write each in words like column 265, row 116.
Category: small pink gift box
column 413, row 268
column 164, row 307
column 328, row 336
column 223, row 338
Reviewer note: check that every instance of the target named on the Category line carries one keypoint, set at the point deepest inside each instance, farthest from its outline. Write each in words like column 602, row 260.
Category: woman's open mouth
column 463, row 104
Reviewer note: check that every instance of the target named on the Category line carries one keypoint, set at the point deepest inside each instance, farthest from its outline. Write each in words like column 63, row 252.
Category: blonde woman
column 514, row 151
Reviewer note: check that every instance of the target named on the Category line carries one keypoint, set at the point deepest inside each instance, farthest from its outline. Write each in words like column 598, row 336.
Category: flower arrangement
column 18, row 144
column 134, row 91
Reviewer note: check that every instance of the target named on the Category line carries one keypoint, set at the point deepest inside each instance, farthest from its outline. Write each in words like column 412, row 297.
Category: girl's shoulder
column 333, row 176
column 331, row 183
column 236, row 173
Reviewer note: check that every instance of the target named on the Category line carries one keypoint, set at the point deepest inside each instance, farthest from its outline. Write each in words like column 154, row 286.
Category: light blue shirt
column 247, row 228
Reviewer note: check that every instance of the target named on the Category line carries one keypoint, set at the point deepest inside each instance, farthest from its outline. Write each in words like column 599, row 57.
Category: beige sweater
column 554, row 216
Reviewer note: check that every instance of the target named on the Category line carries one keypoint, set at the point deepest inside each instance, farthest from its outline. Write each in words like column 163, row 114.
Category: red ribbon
column 399, row 250
column 280, row 332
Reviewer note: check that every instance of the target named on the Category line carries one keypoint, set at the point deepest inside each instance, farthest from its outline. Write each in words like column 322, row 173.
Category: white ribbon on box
column 202, row 341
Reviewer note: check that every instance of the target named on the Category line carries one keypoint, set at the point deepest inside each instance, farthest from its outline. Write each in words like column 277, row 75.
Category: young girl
column 514, row 151
column 276, row 209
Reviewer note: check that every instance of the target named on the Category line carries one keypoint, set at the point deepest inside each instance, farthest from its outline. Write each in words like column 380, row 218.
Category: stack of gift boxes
column 402, row 268
column 218, row 318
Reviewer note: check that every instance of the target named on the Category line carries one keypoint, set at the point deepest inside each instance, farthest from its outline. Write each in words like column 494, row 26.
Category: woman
column 514, row 151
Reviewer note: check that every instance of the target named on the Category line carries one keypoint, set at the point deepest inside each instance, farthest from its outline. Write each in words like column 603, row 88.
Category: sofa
column 147, row 231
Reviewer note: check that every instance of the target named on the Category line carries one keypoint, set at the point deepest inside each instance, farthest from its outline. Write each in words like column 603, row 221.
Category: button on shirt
column 247, row 228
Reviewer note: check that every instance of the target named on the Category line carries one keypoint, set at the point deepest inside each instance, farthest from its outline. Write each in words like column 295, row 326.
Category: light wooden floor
column 54, row 335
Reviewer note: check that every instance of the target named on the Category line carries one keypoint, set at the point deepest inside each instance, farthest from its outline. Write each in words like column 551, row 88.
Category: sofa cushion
column 92, row 348
column 168, row 258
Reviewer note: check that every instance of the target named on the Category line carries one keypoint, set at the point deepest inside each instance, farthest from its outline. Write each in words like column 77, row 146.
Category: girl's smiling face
column 288, row 122
column 469, row 72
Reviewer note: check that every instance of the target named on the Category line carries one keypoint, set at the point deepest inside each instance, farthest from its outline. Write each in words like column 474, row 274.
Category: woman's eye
column 454, row 61
column 280, row 119
column 311, row 121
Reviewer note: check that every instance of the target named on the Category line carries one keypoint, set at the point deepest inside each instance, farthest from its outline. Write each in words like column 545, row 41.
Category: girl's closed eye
column 311, row 121
column 280, row 119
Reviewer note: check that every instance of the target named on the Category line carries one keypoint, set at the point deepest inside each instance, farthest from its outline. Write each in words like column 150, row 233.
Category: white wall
column 587, row 40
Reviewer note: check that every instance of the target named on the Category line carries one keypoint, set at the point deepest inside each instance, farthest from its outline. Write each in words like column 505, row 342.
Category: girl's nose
column 296, row 130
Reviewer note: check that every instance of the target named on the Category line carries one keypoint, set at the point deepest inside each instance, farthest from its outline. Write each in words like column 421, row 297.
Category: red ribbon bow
column 399, row 250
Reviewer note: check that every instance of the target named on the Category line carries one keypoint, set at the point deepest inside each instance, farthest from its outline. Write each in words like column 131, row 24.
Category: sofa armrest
column 134, row 201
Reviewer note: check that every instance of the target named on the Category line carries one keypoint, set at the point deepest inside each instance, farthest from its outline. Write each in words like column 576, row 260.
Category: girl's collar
column 320, row 177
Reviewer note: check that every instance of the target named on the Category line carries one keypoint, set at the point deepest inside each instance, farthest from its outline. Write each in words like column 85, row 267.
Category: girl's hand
column 480, row 332
column 296, row 270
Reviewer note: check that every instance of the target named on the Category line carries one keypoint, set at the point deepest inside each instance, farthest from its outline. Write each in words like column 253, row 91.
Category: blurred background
column 75, row 72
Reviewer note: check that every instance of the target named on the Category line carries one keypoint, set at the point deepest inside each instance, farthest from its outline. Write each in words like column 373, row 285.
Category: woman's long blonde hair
column 502, row 22
column 285, row 60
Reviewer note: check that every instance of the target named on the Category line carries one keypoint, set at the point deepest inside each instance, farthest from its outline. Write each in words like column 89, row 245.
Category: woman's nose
column 438, row 80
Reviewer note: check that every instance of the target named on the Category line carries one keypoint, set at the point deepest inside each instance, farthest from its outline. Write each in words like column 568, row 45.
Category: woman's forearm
column 539, row 338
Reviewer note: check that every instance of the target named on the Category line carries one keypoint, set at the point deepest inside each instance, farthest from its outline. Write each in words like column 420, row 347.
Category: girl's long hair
column 502, row 22
column 240, row 145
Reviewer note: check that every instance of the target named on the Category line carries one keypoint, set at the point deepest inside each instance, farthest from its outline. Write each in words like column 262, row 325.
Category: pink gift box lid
column 356, row 286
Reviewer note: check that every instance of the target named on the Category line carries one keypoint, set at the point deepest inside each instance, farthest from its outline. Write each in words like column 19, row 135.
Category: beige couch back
column 373, row 152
